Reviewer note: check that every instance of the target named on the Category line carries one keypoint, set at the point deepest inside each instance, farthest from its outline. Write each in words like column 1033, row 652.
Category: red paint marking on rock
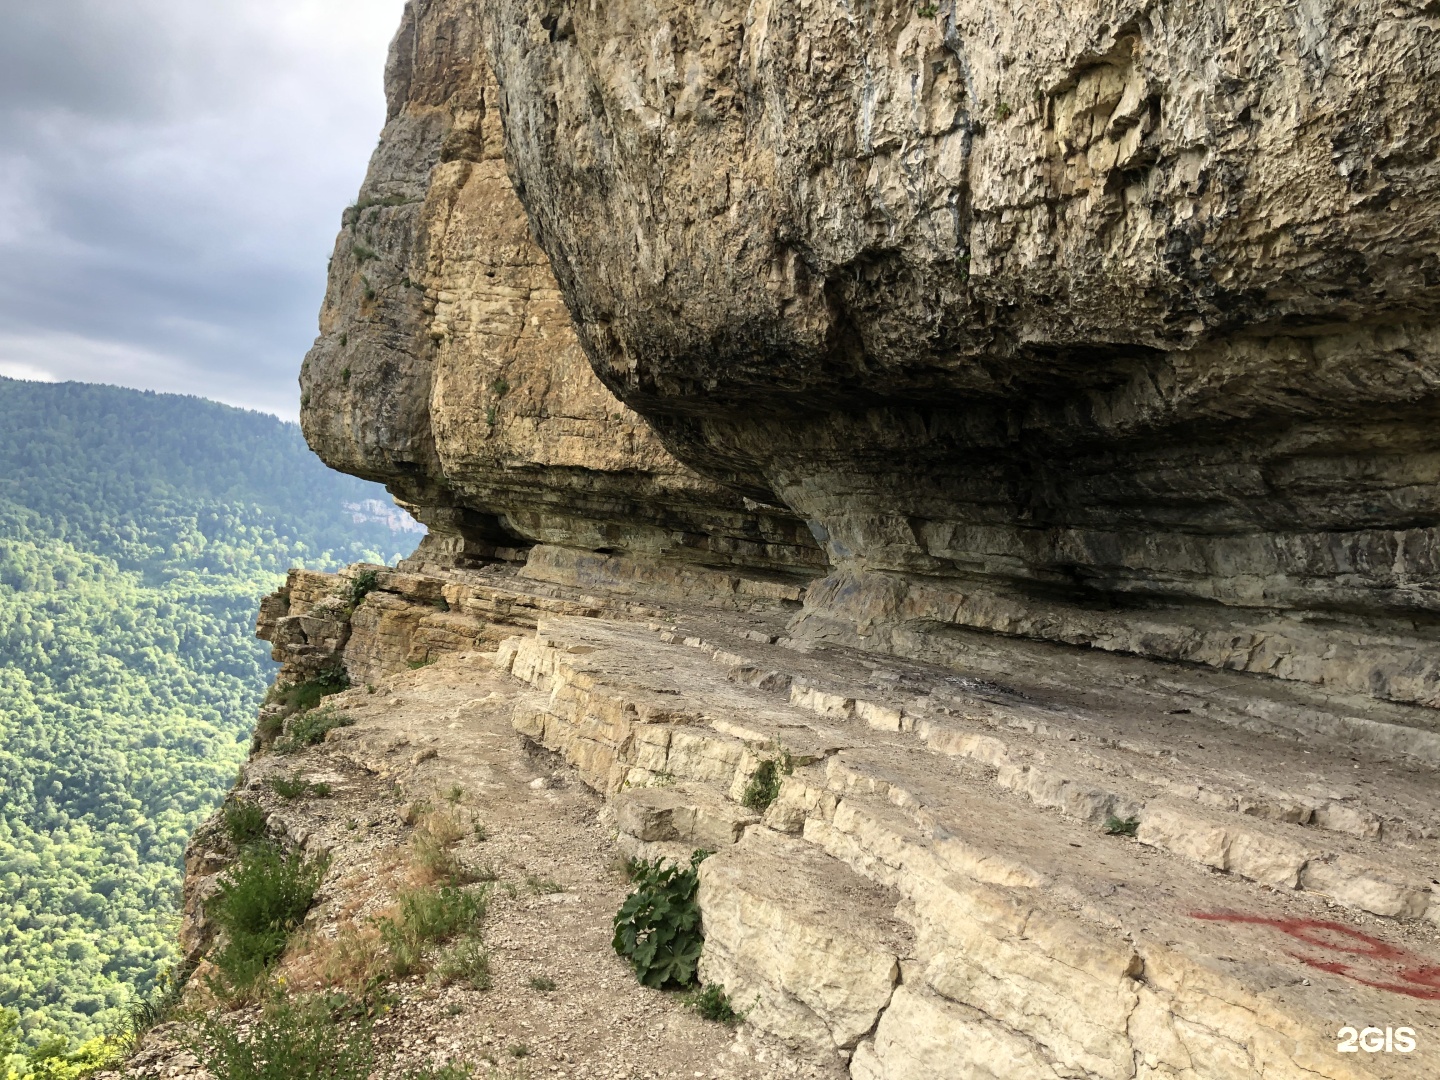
column 1411, row 976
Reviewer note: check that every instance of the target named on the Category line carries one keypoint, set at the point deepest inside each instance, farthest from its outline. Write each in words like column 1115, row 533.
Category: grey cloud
column 173, row 174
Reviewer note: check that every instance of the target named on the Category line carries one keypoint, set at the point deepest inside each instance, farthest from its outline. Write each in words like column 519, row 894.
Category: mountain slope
column 137, row 533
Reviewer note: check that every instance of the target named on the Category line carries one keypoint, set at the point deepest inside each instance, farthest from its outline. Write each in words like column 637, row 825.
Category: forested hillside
column 137, row 534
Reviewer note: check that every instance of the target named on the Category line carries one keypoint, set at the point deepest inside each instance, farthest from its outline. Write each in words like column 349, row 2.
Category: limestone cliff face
column 447, row 367
column 1102, row 322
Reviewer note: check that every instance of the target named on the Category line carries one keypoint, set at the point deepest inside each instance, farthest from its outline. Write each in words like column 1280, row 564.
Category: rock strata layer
column 1037, row 871
column 1102, row 323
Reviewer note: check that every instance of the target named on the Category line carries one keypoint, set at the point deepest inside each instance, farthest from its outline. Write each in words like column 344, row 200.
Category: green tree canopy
column 138, row 532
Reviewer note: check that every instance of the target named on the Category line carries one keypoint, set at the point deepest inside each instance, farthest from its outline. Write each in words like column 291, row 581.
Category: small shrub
column 309, row 728
column 455, row 795
column 363, row 252
column 415, row 665
column 466, row 963
column 500, row 386
column 302, row 697
column 290, row 1040
column 542, row 983
column 359, row 587
column 159, row 1006
column 259, row 902
column 519, row 1050
column 356, row 959
column 712, row 1003
column 658, row 927
column 1121, row 826
column 430, row 857
column 928, row 11
column 431, row 915
column 288, row 788
column 268, row 729
column 543, row 886
column 481, row 832
column 1003, row 111
column 244, row 821
column 491, row 415
column 764, row 785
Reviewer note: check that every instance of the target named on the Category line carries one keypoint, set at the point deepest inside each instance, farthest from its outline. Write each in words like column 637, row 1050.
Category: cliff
column 1097, row 323
column 975, row 470
column 447, row 367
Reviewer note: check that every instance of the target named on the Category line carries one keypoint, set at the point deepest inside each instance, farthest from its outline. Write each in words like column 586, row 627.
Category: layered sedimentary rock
column 1103, row 323
column 447, row 368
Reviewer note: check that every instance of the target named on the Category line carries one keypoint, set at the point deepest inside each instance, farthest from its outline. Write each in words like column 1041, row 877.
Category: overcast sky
column 172, row 174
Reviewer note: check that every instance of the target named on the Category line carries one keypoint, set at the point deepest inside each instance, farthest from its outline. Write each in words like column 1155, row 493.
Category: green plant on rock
column 712, row 1003
column 359, row 587
column 658, row 926
column 295, row 786
column 290, row 1040
column 1121, row 826
column 244, row 821
column 304, row 696
column 466, row 962
column 257, row 905
column 764, row 786
column 429, row 917
column 309, row 728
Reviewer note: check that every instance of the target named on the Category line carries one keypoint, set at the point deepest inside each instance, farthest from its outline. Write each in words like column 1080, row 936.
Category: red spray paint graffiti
column 1372, row 962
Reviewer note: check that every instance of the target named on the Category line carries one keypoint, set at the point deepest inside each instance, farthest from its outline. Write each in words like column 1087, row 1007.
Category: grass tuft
column 244, row 821
column 712, row 1003
column 310, row 728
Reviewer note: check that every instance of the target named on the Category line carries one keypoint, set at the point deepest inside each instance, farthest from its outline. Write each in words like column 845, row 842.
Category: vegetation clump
column 712, row 1003
column 304, row 696
column 291, row 1039
column 309, row 728
column 764, row 785
column 259, row 902
column 359, row 587
column 658, row 926
column 295, row 786
column 244, row 821
column 1121, row 826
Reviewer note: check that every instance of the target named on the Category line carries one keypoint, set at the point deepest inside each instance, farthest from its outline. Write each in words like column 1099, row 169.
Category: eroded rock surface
column 447, row 367
column 1099, row 322
column 1029, row 870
